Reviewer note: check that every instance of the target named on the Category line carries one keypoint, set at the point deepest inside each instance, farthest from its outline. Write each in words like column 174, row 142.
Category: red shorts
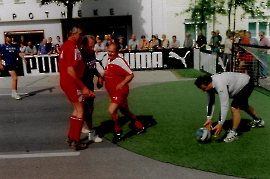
column 119, row 97
column 74, row 94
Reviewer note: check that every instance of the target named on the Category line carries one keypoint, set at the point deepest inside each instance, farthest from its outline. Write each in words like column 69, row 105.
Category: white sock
column 14, row 91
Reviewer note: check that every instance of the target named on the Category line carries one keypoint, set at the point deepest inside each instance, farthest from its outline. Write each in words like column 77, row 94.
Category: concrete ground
column 33, row 130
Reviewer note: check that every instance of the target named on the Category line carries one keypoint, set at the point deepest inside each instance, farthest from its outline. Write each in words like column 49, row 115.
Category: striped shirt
column 9, row 53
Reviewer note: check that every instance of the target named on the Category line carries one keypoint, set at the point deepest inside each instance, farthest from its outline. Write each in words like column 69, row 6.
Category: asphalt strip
column 39, row 155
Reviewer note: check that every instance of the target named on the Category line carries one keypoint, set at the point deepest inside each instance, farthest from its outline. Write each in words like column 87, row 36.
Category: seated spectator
column 144, row 43
column 97, row 38
column 188, row 43
column 158, row 41
column 109, row 43
column 56, row 49
column 42, row 48
column 22, row 48
column 30, row 49
column 153, row 43
column 165, row 42
column 121, row 45
column 99, row 47
column 133, row 44
column 174, row 43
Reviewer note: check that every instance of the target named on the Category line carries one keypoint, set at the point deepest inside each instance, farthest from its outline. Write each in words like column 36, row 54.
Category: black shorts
column 10, row 68
column 241, row 99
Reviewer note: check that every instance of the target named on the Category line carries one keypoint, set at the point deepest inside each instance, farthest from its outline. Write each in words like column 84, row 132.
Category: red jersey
column 115, row 72
column 245, row 55
column 70, row 55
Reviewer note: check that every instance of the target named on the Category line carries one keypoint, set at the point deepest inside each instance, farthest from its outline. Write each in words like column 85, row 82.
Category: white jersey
column 227, row 85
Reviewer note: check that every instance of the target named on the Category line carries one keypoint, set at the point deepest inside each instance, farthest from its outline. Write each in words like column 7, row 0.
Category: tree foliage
column 68, row 3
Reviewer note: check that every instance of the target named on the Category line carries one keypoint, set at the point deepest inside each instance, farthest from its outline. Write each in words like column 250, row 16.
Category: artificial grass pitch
column 173, row 112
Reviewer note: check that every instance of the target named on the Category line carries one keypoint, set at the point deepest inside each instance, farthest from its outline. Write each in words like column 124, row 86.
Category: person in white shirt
column 99, row 47
column 227, row 85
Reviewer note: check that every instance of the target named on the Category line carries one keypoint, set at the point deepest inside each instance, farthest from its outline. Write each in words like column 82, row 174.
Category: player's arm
column 124, row 82
column 21, row 55
column 224, row 103
column 100, row 79
column 210, row 109
column 86, row 92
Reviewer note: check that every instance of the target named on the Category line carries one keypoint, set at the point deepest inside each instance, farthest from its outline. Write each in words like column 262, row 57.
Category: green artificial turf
column 173, row 112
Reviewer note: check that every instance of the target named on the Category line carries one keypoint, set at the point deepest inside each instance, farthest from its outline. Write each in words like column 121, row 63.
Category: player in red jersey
column 117, row 75
column 71, row 69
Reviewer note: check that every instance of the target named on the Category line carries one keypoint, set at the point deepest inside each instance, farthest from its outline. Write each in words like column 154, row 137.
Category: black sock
column 235, row 130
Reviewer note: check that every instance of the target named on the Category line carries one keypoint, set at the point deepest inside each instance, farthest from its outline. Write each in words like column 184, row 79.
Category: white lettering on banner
column 138, row 60
column 132, row 60
column 157, row 60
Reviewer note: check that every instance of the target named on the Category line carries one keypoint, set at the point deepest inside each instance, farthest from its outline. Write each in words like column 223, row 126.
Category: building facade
column 118, row 17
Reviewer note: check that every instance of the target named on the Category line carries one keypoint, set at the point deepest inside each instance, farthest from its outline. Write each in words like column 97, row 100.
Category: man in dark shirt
column 9, row 52
column 201, row 41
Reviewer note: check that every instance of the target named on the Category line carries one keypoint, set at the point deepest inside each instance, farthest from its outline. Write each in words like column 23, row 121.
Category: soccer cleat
column 68, row 141
column 94, row 137
column 255, row 123
column 85, row 130
column 117, row 137
column 78, row 146
column 139, row 128
column 231, row 136
column 16, row 96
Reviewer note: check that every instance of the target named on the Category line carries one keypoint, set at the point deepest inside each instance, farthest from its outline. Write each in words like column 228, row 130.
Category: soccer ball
column 203, row 135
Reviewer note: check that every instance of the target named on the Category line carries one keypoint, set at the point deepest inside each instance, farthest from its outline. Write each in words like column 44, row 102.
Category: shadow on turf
column 108, row 126
column 243, row 127
column 32, row 93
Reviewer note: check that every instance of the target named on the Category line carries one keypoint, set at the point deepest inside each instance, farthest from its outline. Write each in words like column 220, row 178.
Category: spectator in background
column 133, row 44
column 263, row 66
column 105, row 41
column 99, row 47
column 219, row 38
column 188, row 43
column 22, row 48
column 49, row 46
column 144, row 43
column 236, row 37
column 42, row 48
column 22, row 39
column 56, row 49
column 97, row 37
column 154, row 43
column 158, row 41
column 121, row 45
column 165, row 42
column 13, row 42
column 246, row 58
column 228, row 44
column 252, row 41
column 201, row 41
column 174, row 43
column 30, row 49
column 214, row 42
column 58, row 41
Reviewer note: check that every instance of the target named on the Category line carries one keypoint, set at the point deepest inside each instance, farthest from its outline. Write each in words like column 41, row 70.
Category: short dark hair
column 174, row 36
column 203, row 80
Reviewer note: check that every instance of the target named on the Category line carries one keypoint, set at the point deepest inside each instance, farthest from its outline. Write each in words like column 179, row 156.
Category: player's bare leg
column 88, row 113
column 251, row 111
column 125, row 111
column 113, row 107
column 14, row 77
column 236, row 117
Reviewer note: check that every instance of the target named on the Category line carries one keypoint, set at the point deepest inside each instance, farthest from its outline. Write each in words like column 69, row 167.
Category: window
column 262, row 27
column 252, row 29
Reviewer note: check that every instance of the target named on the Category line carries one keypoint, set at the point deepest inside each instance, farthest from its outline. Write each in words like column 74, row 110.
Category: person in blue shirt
column 42, row 48
column 9, row 53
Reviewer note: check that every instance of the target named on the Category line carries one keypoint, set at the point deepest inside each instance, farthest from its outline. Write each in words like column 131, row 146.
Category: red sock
column 117, row 127
column 78, row 124
column 71, row 128
column 139, row 125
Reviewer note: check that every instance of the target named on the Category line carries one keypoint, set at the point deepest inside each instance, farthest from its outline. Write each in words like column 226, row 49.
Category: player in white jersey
column 228, row 85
